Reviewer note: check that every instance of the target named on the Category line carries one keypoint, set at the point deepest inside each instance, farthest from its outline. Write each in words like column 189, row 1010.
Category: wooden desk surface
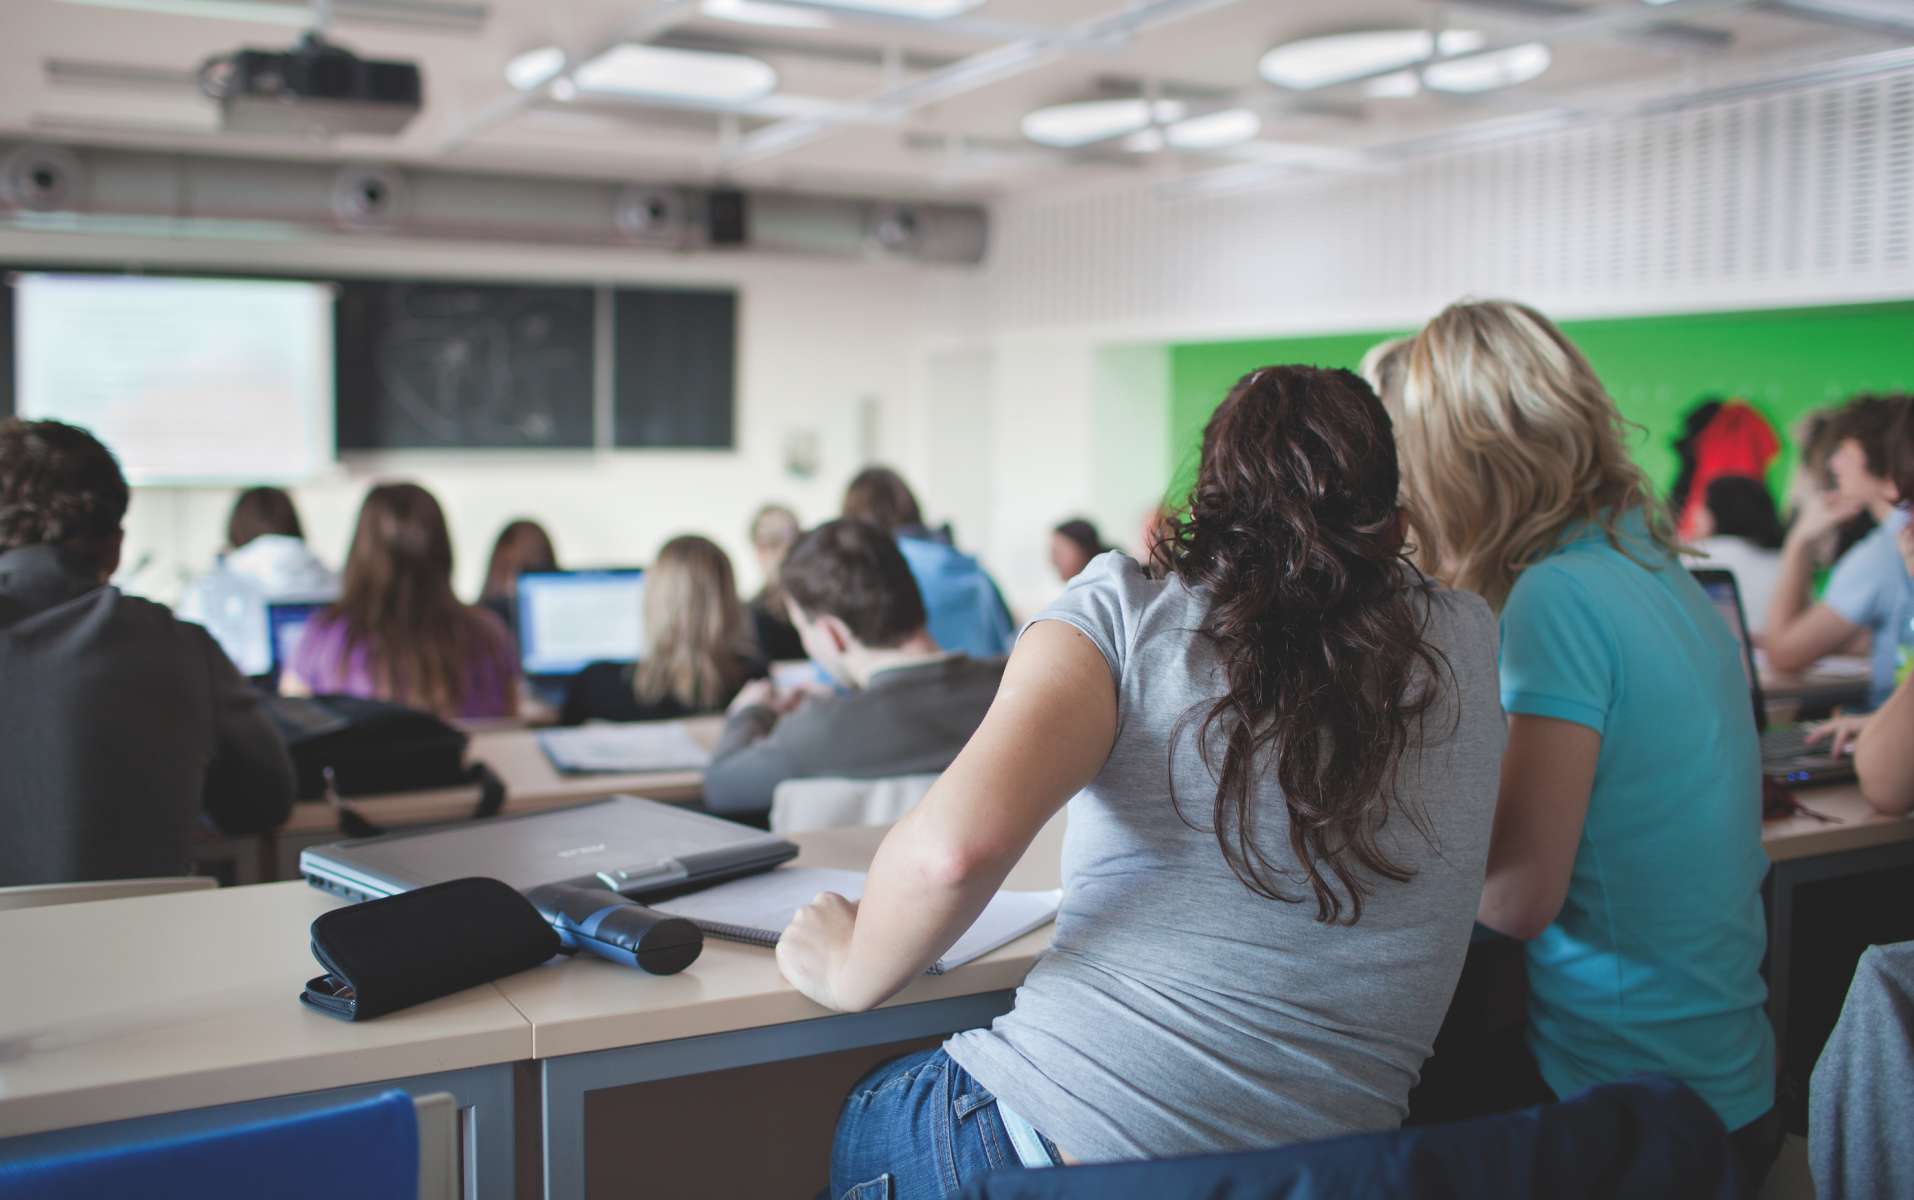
column 125, row 1008
column 1819, row 687
column 531, row 784
column 588, row 1004
column 1854, row 826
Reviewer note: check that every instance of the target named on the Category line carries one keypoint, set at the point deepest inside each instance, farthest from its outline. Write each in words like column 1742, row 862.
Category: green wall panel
column 1782, row 361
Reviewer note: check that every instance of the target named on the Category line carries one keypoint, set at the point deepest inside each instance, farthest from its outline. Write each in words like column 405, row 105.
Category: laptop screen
column 1719, row 587
column 568, row 620
column 285, row 625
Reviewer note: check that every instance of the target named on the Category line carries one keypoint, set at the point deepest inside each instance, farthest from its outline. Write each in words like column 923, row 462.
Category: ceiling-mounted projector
column 316, row 89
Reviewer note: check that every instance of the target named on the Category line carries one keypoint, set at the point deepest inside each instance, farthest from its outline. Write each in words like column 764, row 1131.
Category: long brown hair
column 396, row 600
column 1294, row 536
column 695, row 635
column 521, row 546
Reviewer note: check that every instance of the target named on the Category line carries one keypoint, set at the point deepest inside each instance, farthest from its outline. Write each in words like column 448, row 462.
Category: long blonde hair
column 696, row 643
column 1507, row 439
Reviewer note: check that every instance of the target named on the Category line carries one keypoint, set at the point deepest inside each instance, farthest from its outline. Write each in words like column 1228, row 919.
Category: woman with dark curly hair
column 1283, row 762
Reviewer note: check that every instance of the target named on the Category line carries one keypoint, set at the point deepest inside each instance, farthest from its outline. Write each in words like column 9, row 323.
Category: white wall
column 826, row 346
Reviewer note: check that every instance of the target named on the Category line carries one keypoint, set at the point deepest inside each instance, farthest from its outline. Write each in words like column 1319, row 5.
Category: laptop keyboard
column 1789, row 742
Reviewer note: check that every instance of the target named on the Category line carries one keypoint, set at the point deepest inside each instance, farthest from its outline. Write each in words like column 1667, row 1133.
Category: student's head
column 774, row 528
column 695, row 634
column 1739, row 507
column 1903, row 448
column 1861, row 461
column 260, row 512
column 879, row 496
column 1072, row 545
column 1508, row 438
column 60, row 487
column 1294, row 538
column 1382, row 368
column 396, row 599
column 522, row 546
column 849, row 592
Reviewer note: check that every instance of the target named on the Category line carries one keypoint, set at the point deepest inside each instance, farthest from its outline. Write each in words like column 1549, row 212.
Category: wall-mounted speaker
column 653, row 216
column 41, row 179
column 369, row 197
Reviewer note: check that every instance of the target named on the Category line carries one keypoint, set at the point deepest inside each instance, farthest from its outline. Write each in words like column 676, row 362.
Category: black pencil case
column 402, row 950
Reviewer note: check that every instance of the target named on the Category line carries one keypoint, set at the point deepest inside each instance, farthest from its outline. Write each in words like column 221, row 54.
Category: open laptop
column 568, row 620
column 638, row 847
column 1785, row 755
column 286, row 623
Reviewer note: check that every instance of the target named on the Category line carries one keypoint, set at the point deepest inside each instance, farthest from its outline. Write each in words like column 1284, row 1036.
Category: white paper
column 637, row 747
column 767, row 903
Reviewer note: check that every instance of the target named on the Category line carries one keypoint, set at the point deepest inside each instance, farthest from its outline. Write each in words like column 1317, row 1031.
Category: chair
column 41, row 895
column 388, row 1147
column 801, row 805
column 1646, row 1139
column 1861, row 1095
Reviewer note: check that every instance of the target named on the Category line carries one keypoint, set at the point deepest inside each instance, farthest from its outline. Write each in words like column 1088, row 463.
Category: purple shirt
column 327, row 664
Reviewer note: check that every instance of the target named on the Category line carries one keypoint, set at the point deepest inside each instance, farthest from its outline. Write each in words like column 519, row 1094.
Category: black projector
column 316, row 89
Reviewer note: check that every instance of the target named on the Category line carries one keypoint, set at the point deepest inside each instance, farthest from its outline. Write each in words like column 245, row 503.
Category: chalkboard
column 676, row 368
column 460, row 365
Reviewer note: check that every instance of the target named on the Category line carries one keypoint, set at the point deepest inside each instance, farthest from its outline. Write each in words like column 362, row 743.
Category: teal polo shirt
column 1653, row 964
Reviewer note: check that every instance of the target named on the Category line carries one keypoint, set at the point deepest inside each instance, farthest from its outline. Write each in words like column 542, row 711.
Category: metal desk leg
column 563, row 1082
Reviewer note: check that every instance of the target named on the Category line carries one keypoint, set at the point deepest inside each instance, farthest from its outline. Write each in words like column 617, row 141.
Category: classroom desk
column 1791, row 691
column 531, row 784
column 595, row 1025
column 1856, row 840
column 162, row 1015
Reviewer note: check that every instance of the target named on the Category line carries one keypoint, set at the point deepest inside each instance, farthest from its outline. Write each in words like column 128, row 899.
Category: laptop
column 286, row 623
column 568, row 620
column 1785, row 755
column 638, row 847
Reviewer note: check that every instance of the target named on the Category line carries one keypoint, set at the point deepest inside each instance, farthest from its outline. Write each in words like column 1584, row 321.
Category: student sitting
column 1870, row 591
column 1737, row 530
column 774, row 529
column 119, row 724
column 522, row 546
column 698, row 649
column 397, row 632
column 1627, row 849
column 912, row 706
column 1073, row 545
column 967, row 612
column 266, row 561
column 1883, row 742
column 1282, row 759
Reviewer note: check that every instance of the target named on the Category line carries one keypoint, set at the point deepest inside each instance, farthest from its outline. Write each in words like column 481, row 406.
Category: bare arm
column 1548, row 772
column 1046, row 735
column 1884, row 753
column 1799, row 631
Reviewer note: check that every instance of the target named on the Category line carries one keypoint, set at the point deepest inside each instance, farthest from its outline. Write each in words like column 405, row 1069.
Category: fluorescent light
column 225, row 10
column 1320, row 61
column 666, row 71
column 534, row 67
column 761, row 12
column 923, row 10
column 1399, row 86
column 1068, row 126
column 1486, row 72
column 1212, row 131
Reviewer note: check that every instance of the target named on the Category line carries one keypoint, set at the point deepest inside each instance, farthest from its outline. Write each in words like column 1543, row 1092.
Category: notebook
column 757, row 909
column 640, row 746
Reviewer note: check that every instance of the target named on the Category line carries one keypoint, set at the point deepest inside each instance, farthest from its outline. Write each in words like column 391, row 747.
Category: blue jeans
column 918, row 1128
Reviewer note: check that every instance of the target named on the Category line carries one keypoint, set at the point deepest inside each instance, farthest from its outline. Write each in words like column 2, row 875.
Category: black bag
column 389, row 954
column 373, row 747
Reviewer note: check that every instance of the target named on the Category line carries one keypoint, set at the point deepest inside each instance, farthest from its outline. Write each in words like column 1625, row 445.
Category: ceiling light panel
column 1213, row 131
column 925, row 10
column 534, row 67
column 1068, row 126
column 1322, row 61
column 1486, row 72
column 671, row 73
column 763, row 12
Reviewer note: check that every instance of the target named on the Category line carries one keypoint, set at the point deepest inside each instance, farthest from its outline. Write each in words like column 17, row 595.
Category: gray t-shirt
column 1177, row 1012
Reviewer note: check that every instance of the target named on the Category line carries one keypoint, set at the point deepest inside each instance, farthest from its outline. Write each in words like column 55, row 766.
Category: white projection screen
column 187, row 380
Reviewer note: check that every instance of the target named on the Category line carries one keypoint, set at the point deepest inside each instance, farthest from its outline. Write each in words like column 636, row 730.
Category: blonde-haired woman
column 1627, row 845
column 698, row 647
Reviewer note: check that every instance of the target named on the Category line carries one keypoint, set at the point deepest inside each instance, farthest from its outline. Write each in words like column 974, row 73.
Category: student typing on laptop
column 911, row 707
column 119, row 725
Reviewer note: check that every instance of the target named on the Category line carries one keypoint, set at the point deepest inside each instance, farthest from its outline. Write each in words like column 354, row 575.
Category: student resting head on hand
column 1627, row 848
column 1282, row 756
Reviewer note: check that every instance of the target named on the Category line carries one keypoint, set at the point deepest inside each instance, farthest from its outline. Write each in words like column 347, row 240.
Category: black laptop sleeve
column 389, row 954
